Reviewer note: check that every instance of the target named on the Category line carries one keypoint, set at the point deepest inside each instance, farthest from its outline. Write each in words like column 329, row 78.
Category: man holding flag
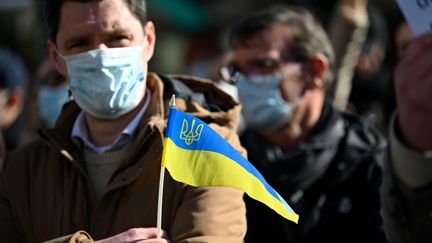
column 95, row 175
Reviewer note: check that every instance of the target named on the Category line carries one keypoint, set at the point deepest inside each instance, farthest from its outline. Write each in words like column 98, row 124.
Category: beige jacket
column 45, row 191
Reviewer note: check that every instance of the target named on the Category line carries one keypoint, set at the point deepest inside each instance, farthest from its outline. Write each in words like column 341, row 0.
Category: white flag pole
column 161, row 186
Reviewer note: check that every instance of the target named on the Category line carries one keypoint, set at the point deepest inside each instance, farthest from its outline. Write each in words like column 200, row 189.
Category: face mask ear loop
column 59, row 54
column 63, row 58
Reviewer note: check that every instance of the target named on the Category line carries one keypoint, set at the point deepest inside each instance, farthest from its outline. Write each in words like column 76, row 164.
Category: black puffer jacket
column 331, row 180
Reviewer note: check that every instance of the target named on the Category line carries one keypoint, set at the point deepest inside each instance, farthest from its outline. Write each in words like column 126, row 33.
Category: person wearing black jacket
column 323, row 162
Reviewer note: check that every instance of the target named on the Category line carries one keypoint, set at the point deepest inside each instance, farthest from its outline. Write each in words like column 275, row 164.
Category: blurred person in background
column 22, row 32
column 372, row 74
column 323, row 162
column 14, row 82
column 51, row 92
column 406, row 193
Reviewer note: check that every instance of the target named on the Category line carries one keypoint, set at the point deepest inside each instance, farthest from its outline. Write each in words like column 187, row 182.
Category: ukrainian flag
column 196, row 155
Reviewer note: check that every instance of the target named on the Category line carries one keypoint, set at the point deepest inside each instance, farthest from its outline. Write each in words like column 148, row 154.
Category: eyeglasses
column 230, row 72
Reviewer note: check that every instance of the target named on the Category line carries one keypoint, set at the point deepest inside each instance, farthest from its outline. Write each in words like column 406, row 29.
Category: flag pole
column 161, row 185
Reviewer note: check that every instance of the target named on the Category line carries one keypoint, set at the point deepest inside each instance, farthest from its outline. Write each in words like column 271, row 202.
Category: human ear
column 150, row 32
column 55, row 58
column 319, row 68
column 13, row 107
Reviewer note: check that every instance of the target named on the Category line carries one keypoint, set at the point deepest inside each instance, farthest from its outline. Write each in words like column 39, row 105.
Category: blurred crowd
column 367, row 39
column 193, row 40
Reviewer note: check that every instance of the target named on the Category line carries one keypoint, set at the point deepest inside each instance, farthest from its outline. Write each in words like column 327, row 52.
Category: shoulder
column 200, row 91
column 362, row 149
column 23, row 158
column 203, row 99
column 363, row 136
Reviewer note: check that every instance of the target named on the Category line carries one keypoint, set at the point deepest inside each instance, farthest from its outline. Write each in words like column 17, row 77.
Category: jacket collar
column 60, row 136
column 154, row 119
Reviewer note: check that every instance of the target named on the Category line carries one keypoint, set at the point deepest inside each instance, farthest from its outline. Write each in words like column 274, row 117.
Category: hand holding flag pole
column 196, row 155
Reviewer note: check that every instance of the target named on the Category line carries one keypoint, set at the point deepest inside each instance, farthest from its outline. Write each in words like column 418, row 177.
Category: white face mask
column 50, row 102
column 264, row 109
column 107, row 83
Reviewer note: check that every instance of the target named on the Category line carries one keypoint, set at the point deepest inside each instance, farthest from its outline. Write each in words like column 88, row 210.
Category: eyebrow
column 86, row 37
column 75, row 39
column 116, row 31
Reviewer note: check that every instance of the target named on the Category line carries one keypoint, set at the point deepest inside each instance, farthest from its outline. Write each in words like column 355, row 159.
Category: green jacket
column 45, row 192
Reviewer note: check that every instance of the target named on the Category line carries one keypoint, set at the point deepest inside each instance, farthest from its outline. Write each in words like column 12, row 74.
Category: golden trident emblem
column 189, row 135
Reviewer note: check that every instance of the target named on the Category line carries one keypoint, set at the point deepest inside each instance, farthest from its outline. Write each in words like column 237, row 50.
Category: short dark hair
column 309, row 37
column 52, row 11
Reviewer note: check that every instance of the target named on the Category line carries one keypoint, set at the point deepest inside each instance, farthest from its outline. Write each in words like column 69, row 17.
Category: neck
column 103, row 132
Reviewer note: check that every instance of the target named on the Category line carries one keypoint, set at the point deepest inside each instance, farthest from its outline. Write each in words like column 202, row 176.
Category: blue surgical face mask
column 264, row 109
column 50, row 102
column 107, row 83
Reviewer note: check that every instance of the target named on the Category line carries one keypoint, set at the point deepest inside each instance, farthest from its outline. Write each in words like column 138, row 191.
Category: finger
column 164, row 234
column 136, row 234
column 416, row 48
column 417, row 55
column 152, row 232
column 154, row 241
column 147, row 233
column 424, row 74
column 415, row 73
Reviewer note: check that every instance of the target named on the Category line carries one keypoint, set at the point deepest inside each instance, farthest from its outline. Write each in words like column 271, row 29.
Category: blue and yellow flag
column 196, row 155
